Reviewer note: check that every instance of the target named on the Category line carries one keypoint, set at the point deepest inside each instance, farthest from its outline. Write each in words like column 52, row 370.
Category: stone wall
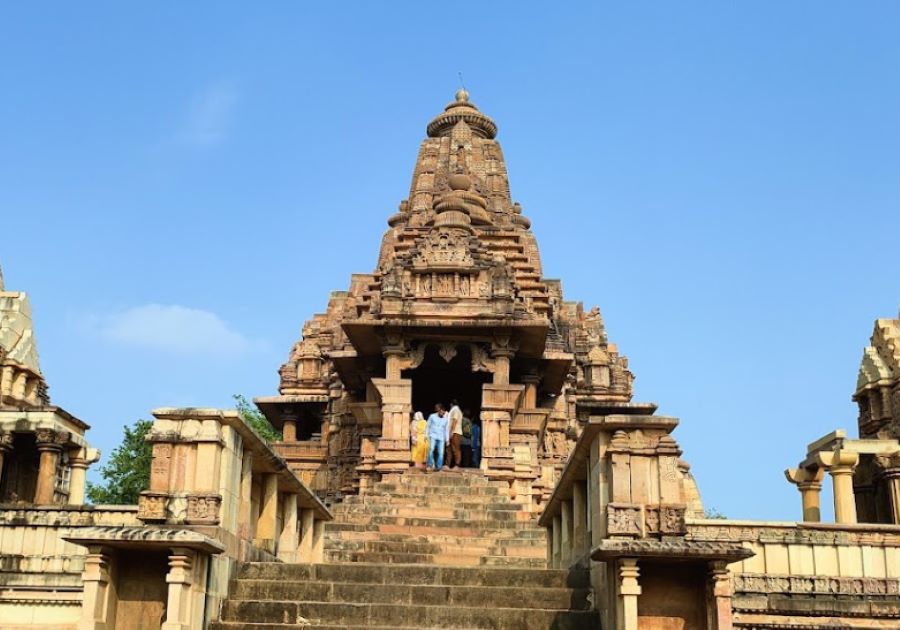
column 40, row 572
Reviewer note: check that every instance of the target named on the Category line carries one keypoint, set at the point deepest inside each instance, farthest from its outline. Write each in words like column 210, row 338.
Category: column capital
column 838, row 462
column 50, row 439
column 805, row 478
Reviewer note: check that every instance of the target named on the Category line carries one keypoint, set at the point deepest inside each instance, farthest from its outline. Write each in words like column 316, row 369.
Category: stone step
column 288, row 614
column 521, row 537
column 449, row 559
column 412, row 575
column 415, row 545
column 424, row 521
column 438, row 512
column 464, row 501
column 500, row 596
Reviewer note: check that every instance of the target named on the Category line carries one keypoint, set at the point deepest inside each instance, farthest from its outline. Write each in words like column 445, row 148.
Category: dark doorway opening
column 438, row 380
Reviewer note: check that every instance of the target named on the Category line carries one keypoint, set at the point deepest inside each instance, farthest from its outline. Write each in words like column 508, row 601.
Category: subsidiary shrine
column 581, row 512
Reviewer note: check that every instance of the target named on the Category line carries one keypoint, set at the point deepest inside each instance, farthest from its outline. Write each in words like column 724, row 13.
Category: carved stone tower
column 457, row 307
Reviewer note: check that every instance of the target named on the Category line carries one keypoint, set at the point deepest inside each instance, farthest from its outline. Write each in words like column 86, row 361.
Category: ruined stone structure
column 457, row 307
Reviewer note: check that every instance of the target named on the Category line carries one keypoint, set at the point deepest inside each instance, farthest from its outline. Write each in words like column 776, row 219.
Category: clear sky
column 182, row 184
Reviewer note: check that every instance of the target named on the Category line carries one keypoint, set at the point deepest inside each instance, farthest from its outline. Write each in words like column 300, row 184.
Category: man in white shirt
column 454, row 458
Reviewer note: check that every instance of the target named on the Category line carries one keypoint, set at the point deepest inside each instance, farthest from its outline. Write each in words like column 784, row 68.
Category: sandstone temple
column 581, row 513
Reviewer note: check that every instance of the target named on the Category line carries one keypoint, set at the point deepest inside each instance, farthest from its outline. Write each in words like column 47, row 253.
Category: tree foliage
column 255, row 418
column 713, row 513
column 127, row 472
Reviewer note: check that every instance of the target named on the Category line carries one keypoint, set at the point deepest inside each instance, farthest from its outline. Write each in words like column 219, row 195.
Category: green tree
column 256, row 419
column 127, row 471
column 713, row 513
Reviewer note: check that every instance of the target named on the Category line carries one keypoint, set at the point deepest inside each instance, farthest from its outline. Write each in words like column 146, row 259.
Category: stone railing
column 41, row 573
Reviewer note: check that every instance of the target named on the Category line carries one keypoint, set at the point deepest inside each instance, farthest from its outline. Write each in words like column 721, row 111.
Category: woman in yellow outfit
column 419, row 442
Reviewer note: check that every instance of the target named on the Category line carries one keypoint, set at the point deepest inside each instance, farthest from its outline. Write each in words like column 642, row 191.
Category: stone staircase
column 444, row 550
column 446, row 518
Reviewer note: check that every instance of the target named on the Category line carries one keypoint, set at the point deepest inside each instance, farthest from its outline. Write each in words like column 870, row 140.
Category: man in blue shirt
column 438, row 431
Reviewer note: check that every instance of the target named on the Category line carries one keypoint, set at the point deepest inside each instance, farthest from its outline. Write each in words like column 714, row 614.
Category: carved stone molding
column 815, row 585
column 632, row 519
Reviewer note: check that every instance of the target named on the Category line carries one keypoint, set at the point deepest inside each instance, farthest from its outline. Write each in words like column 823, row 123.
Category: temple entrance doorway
column 438, row 380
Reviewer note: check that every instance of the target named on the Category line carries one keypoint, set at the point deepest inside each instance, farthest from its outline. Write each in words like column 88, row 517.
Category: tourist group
column 452, row 431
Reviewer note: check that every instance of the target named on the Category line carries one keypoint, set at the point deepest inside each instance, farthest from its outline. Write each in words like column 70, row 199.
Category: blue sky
column 182, row 185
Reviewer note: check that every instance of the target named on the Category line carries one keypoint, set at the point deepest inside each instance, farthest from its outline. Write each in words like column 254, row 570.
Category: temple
column 457, row 307
column 582, row 514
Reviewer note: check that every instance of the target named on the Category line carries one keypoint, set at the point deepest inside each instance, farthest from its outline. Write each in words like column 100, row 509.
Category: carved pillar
column 720, row 588
column 396, row 409
column 840, row 465
column 809, row 483
column 501, row 366
column 629, row 590
column 531, row 382
column 49, row 445
column 179, row 579
column 579, row 518
column 98, row 607
column 6, row 444
column 289, row 430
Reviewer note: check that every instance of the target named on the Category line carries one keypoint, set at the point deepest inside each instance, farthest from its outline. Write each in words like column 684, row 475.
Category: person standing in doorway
column 454, row 459
column 465, row 439
column 418, row 440
column 437, row 430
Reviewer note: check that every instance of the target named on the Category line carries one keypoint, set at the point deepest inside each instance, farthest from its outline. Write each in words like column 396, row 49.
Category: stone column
column 6, row 444
column 501, row 366
column 840, row 465
column 318, row 545
column 49, row 445
column 556, row 533
column 566, row 542
column 98, row 610
column 629, row 590
column 179, row 579
column 579, row 518
column 720, row 587
column 288, row 540
column 531, row 382
column 809, row 483
column 289, row 430
column 307, row 535
column 891, row 475
column 77, row 480
column 245, row 504
column 267, row 526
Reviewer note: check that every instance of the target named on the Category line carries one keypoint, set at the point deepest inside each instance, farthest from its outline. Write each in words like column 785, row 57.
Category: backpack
column 467, row 427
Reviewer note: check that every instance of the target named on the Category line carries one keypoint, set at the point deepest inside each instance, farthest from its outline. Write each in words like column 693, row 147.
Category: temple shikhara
column 581, row 512
column 457, row 307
